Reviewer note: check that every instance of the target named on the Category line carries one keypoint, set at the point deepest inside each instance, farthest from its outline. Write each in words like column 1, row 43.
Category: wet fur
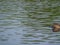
column 56, row 27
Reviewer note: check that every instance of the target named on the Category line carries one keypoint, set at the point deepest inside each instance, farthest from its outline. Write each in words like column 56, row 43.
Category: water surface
column 27, row 22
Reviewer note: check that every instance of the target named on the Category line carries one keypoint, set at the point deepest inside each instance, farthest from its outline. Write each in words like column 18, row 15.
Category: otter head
column 56, row 27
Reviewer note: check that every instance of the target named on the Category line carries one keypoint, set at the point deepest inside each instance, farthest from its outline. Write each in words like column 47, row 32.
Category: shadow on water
column 28, row 22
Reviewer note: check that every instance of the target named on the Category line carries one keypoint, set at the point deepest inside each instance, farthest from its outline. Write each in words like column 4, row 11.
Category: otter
column 56, row 27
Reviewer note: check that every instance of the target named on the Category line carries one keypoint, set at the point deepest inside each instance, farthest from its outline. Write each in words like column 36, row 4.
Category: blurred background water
column 27, row 22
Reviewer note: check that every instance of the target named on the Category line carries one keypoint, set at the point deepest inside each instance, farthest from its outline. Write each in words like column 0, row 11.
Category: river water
column 28, row 22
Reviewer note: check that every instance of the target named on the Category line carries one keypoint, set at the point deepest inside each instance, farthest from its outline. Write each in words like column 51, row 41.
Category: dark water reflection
column 27, row 22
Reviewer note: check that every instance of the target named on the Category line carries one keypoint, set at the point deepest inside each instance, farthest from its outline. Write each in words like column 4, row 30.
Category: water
column 27, row 22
